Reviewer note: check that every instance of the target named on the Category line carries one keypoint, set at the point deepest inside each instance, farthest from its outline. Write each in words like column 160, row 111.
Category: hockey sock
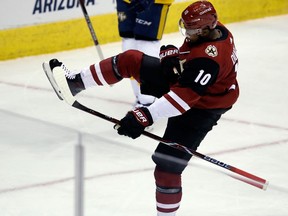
column 100, row 74
column 168, row 192
column 111, row 70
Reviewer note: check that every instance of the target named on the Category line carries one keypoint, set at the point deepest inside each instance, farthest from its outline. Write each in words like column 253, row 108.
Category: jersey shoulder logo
column 211, row 50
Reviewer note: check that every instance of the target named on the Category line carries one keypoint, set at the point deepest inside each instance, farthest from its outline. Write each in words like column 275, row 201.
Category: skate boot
column 73, row 78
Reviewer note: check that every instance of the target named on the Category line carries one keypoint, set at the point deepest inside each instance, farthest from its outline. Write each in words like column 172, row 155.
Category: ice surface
column 38, row 133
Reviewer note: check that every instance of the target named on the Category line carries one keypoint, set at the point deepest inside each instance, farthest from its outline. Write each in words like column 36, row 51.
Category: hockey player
column 194, row 86
column 141, row 25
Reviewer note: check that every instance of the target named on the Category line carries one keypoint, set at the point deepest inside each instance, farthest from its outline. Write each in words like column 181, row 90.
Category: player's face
column 192, row 34
column 205, row 32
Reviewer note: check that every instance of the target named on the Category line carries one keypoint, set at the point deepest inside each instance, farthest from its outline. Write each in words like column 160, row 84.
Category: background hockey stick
column 91, row 29
column 59, row 84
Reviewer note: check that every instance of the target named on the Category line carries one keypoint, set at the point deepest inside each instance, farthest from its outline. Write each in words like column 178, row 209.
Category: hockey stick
column 91, row 29
column 58, row 81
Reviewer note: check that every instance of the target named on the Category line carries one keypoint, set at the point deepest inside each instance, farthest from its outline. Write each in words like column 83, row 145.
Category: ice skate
column 73, row 78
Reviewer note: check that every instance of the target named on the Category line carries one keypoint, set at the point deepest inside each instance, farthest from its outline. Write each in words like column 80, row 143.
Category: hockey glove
column 135, row 122
column 169, row 58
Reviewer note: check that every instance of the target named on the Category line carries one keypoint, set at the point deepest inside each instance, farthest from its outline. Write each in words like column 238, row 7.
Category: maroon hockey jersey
column 208, row 79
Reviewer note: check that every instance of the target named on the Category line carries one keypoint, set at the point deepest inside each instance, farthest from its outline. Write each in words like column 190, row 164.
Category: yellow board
column 72, row 34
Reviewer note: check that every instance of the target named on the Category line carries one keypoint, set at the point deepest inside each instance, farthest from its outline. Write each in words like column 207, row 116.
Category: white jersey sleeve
column 168, row 106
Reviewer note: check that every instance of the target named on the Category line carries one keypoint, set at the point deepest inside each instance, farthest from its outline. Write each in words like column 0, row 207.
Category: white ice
column 38, row 133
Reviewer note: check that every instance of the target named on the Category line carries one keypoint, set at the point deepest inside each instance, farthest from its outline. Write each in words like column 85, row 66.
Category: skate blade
column 52, row 80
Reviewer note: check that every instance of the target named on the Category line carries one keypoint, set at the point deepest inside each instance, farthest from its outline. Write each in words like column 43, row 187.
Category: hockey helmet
column 196, row 17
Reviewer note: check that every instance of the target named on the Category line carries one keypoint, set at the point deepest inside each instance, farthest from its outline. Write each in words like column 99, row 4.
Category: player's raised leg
column 106, row 72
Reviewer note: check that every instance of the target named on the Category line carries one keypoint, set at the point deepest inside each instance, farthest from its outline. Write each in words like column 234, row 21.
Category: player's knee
column 129, row 63
column 169, row 163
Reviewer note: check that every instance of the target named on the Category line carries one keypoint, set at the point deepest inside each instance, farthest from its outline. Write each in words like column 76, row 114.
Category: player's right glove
column 169, row 58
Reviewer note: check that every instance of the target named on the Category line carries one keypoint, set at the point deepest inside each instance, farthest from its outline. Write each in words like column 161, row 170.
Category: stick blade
column 260, row 185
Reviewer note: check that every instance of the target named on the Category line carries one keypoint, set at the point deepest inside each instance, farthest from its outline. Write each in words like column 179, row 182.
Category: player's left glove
column 135, row 122
column 170, row 63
